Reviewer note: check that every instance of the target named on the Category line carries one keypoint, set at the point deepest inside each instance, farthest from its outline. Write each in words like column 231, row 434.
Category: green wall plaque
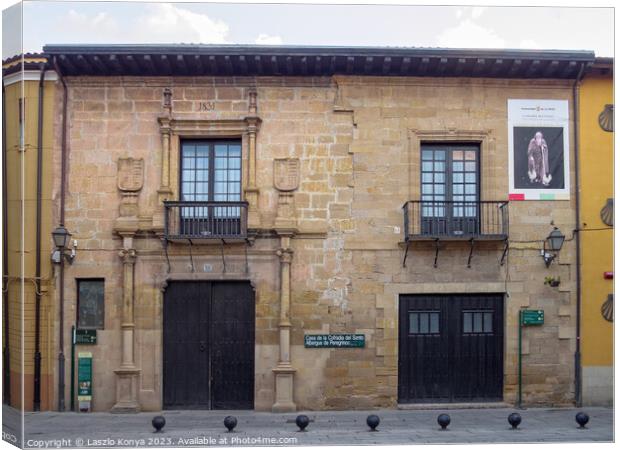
column 85, row 336
column 85, row 376
column 532, row 317
column 334, row 340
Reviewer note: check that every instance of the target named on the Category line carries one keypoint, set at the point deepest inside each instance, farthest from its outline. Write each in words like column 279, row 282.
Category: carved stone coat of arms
column 130, row 174
column 286, row 174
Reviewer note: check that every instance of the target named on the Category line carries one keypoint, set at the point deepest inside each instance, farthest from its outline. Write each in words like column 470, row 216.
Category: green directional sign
column 85, row 336
column 334, row 340
column 532, row 317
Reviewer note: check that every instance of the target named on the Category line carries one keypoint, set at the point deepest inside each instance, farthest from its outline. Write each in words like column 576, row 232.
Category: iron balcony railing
column 206, row 220
column 426, row 220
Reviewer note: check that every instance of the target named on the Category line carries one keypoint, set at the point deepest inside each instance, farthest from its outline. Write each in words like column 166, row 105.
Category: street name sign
column 334, row 340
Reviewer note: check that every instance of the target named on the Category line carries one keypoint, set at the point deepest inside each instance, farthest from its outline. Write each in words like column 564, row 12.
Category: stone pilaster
column 164, row 192
column 285, row 180
column 284, row 371
column 127, row 374
column 251, row 191
column 130, row 182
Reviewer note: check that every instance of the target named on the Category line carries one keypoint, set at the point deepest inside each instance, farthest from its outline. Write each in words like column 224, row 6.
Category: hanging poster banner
column 538, row 151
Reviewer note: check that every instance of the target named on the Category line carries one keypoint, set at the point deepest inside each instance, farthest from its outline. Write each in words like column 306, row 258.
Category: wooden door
column 232, row 338
column 208, row 334
column 450, row 348
column 186, row 319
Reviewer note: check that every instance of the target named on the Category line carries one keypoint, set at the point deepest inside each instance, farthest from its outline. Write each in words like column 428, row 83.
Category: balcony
column 200, row 220
column 449, row 220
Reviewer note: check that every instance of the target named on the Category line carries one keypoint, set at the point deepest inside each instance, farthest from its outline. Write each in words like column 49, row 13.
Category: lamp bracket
column 68, row 255
column 548, row 257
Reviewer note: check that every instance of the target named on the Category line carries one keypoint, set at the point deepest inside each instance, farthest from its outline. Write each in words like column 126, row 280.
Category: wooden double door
column 450, row 348
column 208, row 345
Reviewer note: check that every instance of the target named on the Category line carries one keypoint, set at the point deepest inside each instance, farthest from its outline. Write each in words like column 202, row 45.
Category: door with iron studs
column 208, row 345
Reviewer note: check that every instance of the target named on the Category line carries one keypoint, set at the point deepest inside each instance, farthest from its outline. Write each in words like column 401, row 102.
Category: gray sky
column 298, row 24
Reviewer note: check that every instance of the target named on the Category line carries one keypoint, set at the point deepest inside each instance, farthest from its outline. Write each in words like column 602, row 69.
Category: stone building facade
column 329, row 156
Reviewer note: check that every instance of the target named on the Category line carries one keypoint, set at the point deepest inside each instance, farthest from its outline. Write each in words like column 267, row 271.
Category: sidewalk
column 205, row 428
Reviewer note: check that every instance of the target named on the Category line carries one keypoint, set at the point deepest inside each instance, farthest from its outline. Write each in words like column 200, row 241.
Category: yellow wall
column 22, row 202
column 596, row 159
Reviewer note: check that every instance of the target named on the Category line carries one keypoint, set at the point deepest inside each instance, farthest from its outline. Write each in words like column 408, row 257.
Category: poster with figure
column 538, row 150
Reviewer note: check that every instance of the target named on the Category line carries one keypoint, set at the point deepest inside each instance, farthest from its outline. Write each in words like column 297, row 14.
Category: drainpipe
column 5, row 262
column 37, row 311
column 63, row 175
column 577, row 237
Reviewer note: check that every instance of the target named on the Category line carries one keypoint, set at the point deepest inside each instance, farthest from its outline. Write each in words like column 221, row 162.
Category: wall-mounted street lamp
column 61, row 240
column 61, row 253
column 552, row 246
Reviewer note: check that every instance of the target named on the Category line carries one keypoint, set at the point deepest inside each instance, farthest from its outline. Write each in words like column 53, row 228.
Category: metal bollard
column 302, row 422
column 514, row 419
column 373, row 422
column 582, row 418
column 230, row 422
column 158, row 423
column 443, row 420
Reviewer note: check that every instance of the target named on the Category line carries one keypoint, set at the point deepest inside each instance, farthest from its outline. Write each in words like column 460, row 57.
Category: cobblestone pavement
column 205, row 428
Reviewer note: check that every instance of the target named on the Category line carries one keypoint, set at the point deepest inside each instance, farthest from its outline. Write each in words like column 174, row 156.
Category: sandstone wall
column 358, row 143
